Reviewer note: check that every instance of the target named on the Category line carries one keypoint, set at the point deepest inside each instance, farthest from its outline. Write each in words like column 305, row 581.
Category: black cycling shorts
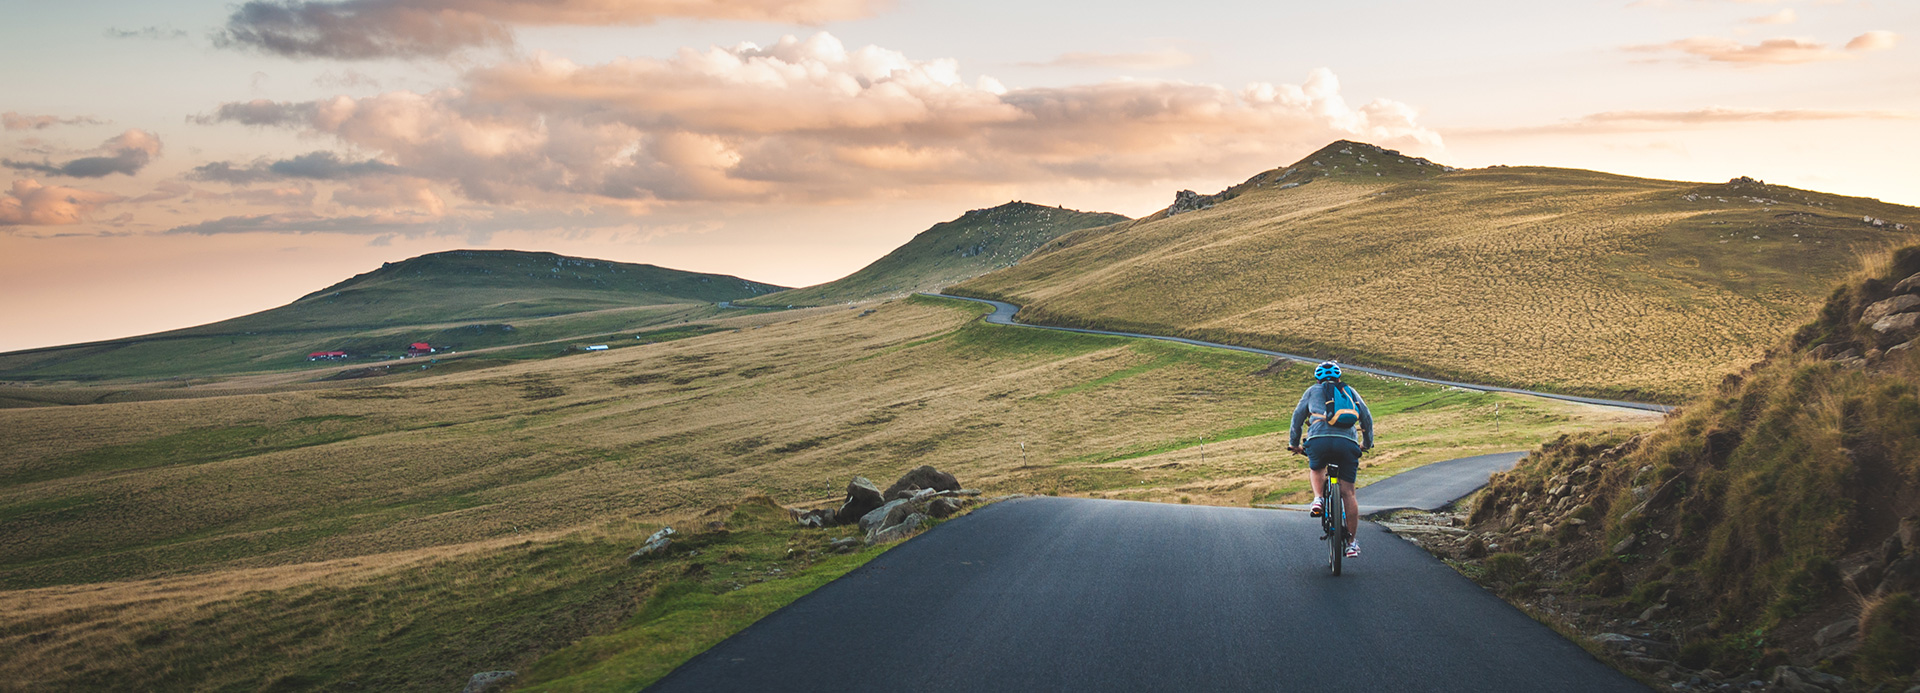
column 1341, row 454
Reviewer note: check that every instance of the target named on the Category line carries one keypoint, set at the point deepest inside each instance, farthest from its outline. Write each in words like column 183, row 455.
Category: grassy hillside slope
column 404, row 536
column 1781, row 503
column 1556, row 279
column 462, row 298
column 978, row 242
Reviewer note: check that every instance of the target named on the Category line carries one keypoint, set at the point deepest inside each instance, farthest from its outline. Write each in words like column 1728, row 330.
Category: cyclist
column 1329, row 444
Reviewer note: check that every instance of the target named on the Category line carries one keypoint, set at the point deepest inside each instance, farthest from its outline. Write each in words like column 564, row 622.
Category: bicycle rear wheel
column 1336, row 513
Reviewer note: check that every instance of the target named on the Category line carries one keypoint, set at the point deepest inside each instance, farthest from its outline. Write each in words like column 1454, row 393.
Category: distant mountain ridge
column 480, row 297
column 1549, row 279
column 977, row 242
column 590, row 283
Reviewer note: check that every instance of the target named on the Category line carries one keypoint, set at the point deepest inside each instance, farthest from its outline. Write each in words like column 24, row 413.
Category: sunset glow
column 174, row 163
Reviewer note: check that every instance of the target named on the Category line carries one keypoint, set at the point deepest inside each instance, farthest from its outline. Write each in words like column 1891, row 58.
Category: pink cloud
column 371, row 29
column 1664, row 120
column 1874, row 41
column 810, row 121
column 29, row 203
column 20, row 121
column 1784, row 16
column 1776, row 51
column 413, row 193
column 125, row 153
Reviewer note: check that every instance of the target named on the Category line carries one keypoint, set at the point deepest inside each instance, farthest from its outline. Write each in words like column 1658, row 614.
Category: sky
column 167, row 163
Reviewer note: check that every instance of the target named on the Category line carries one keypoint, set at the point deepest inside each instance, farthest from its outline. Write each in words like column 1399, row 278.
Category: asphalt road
column 1003, row 314
column 1430, row 487
column 1435, row 485
column 1068, row 594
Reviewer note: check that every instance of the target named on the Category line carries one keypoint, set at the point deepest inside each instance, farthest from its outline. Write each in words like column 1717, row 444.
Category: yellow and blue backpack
column 1341, row 411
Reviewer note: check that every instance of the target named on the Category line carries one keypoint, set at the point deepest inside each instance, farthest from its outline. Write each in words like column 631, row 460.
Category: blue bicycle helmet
column 1327, row 370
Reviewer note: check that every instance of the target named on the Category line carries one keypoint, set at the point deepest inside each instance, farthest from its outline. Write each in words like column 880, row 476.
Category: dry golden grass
column 1546, row 278
column 791, row 406
column 194, row 517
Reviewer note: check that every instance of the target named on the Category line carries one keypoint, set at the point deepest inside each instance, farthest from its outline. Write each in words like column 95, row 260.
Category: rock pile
column 1882, row 223
column 1190, row 201
column 1896, row 319
column 655, row 544
column 489, row 681
column 920, row 494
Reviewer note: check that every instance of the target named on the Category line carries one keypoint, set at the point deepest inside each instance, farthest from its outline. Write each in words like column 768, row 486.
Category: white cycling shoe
column 1353, row 549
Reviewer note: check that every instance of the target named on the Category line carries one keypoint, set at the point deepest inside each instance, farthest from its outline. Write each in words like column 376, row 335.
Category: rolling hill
column 1555, row 279
column 463, row 299
column 977, row 242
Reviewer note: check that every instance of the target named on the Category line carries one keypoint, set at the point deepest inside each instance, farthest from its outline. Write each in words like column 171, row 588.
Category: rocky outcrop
column 489, row 681
column 923, row 493
column 655, row 544
column 1908, row 285
column 1898, row 328
column 1190, row 201
column 862, row 497
column 922, row 477
column 1903, row 303
column 885, row 516
column 1791, row 679
column 898, row 530
column 944, row 507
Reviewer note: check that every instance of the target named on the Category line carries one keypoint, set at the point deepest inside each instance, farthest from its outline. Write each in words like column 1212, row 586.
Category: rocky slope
column 1771, row 523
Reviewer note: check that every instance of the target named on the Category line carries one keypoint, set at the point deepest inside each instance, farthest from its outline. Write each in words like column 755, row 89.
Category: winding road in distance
column 1003, row 314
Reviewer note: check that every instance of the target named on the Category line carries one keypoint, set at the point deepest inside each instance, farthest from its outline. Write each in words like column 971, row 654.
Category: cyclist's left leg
column 1353, row 508
column 1349, row 466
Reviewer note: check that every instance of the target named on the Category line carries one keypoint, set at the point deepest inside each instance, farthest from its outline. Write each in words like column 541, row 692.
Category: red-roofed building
column 326, row 355
column 419, row 349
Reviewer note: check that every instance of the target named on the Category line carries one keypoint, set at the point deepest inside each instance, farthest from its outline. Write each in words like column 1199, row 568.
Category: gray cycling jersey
column 1313, row 411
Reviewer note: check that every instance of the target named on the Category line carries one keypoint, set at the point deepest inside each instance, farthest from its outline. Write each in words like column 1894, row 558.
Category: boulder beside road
column 922, row 477
column 862, row 497
column 923, row 493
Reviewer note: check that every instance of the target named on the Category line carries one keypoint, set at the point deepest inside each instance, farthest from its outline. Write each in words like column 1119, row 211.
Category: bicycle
column 1333, row 518
column 1333, row 523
